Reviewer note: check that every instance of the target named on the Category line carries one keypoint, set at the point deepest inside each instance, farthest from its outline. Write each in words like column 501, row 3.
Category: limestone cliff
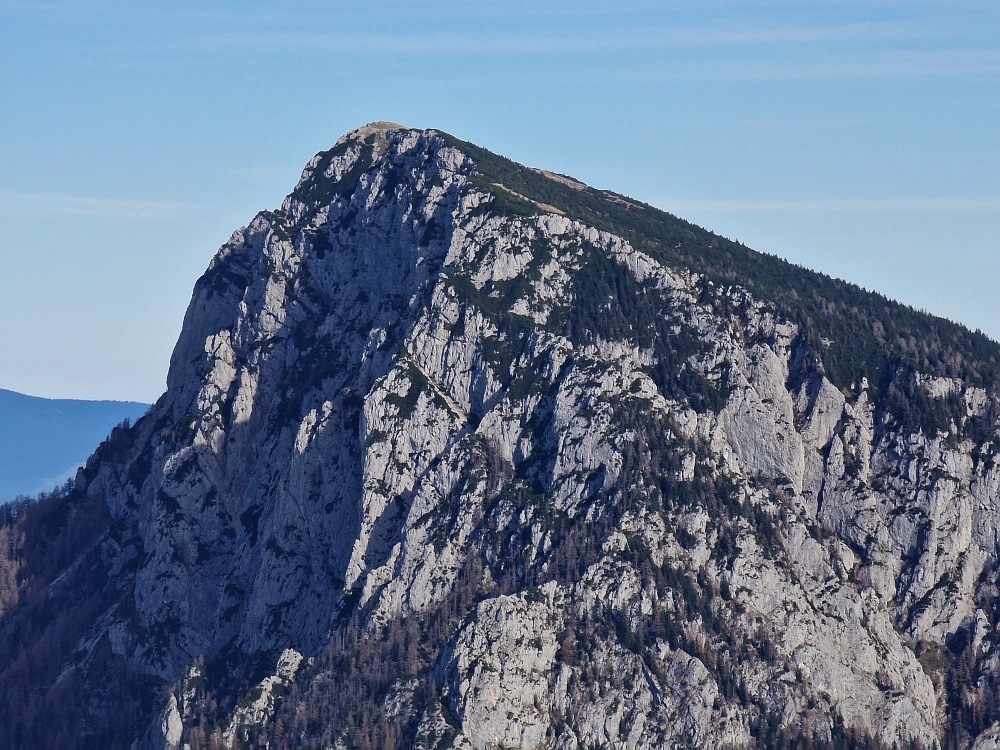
column 445, row 460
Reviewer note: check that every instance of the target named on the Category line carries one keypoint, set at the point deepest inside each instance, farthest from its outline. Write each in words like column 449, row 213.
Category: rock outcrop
column 440, row 461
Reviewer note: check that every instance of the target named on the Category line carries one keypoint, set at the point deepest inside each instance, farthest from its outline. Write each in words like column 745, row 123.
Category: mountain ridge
column 737, row 263
column 440, row 464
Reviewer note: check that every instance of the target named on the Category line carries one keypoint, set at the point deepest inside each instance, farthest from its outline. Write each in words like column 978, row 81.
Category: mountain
column 458, row 453
column 43, row 441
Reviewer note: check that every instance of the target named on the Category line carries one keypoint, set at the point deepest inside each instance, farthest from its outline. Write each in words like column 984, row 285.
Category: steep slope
column 42, row 441
column 457, row 453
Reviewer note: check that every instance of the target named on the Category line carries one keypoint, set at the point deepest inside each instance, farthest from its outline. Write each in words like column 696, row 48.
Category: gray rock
column 353, row 422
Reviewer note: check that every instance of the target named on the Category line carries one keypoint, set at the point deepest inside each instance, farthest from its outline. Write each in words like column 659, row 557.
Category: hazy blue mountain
column 42, row 440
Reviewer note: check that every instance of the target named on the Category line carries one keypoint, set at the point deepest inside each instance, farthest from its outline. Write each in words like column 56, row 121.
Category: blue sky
column 858, row 138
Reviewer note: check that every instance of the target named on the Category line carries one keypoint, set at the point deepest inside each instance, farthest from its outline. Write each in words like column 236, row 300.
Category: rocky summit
column 458, row 453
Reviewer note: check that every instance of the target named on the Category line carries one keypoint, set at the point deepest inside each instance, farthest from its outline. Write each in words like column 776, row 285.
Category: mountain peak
column 373, row 128
column 374, row 134
column 477, row 455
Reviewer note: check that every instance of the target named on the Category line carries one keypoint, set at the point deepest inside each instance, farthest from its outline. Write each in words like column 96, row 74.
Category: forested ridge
column 854, row 332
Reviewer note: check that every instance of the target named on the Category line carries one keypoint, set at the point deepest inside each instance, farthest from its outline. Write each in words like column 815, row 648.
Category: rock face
column 440, row 463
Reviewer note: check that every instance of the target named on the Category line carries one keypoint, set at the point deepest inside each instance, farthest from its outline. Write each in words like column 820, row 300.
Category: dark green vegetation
column 852, row 332
column 609, row 304
column 55, row 537
column 319, row 189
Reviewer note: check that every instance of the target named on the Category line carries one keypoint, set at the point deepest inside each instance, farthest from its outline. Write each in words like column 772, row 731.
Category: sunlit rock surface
column 577, row 497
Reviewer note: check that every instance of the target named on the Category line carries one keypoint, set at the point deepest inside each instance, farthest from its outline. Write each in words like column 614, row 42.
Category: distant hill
column 42, row 440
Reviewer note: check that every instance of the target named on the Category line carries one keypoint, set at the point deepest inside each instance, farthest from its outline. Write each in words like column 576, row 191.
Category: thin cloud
column 907, row 63
column 32, row 6
column 946, row 63
column 833, row 52
column 521, row 43
column 779, row 123
column 265, row 173
column 34, row 205
column 904, row 205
